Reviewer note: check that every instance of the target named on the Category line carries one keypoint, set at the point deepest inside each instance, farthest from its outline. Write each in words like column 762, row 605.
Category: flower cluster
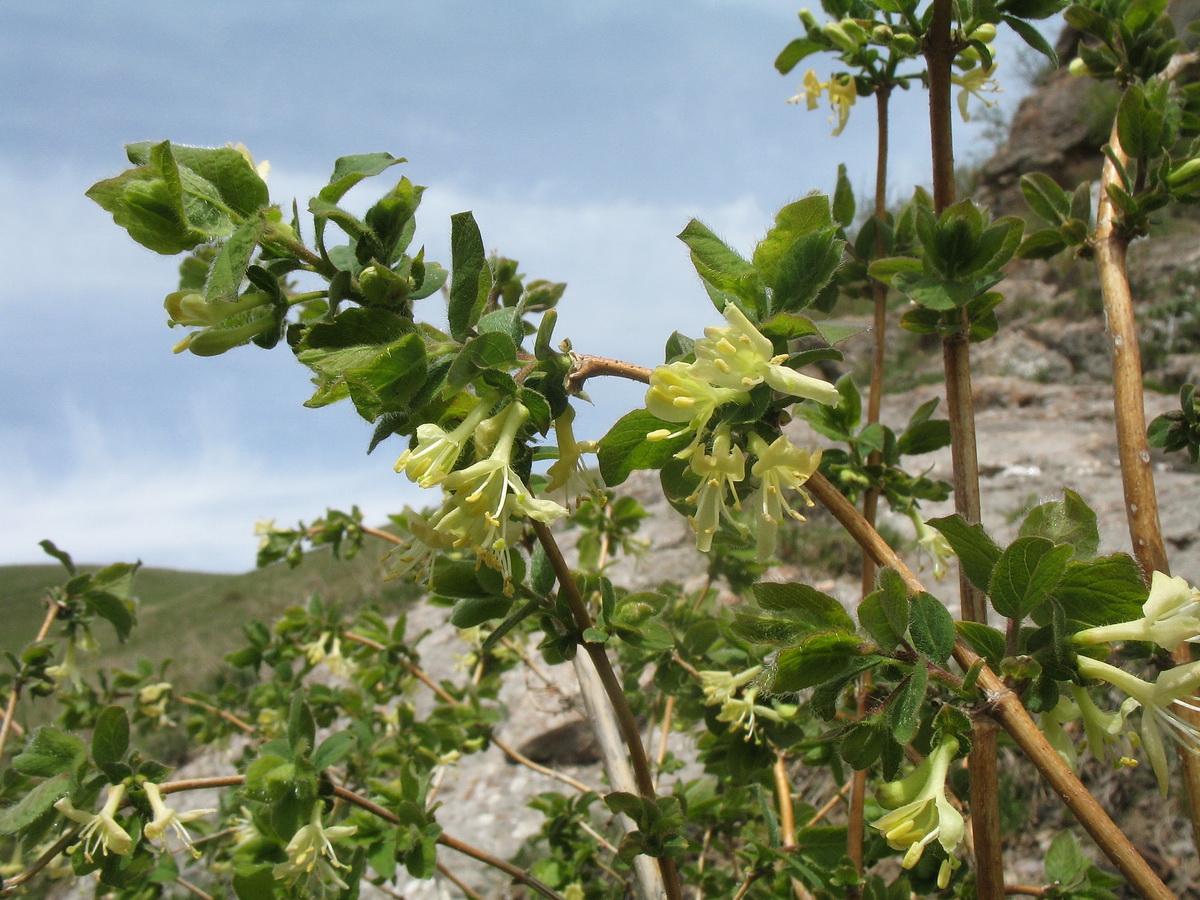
column 327, row 649
column 721, row 689
column 920, row 813
column 732, row 360
column 1165, row 704
column 307, row 852
column 842, row 93
column 483, row 502
column 100, row 830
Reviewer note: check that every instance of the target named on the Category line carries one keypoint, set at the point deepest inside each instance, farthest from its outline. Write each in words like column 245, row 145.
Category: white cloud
column 134, row 493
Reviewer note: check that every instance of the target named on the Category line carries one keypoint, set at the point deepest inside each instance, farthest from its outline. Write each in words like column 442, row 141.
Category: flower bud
column 882, row 34
column 1079, row 68
column 985, row 33
column 838, row 35
column 905, row 43
column 809, row 20
column 1185, row 177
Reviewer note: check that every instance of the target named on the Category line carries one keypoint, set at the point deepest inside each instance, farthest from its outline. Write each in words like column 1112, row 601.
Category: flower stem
column 619, row 703
column 1137, row 477
column 1006, row 708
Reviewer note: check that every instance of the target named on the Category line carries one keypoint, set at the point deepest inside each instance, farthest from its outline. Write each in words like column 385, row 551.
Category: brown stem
column 985, row 817
column 587, row 366
column 227, row 716
column 10, row 710
column 1137, row 476
column 1006, row 708
column 612, row 688
column 459, row 883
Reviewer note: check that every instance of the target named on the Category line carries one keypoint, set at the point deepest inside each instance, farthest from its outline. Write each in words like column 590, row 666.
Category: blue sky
column 584, row 135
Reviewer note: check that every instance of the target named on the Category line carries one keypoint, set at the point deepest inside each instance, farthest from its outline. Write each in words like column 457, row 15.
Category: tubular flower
column 1066, row 710
column 719, row 474
column 165, row 817
column 678, row 394
column 720, row 689
column 152, row 701
column 568, row 473
column 316, row 654
column 974, row 82
column 842, row 94
column 779, row 465
column 739, row 356
column 418, row 554
column 487, row 496
column 308, row 849
column 437, row 450
column 1163, row 706
column 933, row 542
column 1104, row 731
column 1170, row 616
column 920, row 812
column 100, row 830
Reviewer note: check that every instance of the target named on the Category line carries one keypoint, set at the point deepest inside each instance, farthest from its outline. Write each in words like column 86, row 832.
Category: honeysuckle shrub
column 337, row 737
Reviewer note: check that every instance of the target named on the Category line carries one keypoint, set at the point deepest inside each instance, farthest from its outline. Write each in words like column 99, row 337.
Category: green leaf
column 862, row 743
column 795, row 51
column 143, row 203
column 976, row 551
column 1025, row 574
column 819, row 658
column 803, row 269
column 843, row 199
column 350, row 170
column 924, row 437
column 302, row 727
column 878, row 623
column 49, row 752
column 1065, row 862
column 110, row 739
column 504, row 321
column 934, row 292
column 722, row 267
column 471, row 279
column 333, row 750
column 34, row 804
column 62, row 556
column 1101, row 592
column 486, row 353
column 816, row 609
column 1139, row 127
column 254, row 882
column 1042, row 244
column 1067, row 521
column 1032, row 37
column 473, row 611
column 986, row 641
column 625, row 447
column 225, row 177
column 1046, row 198
column 904, row 711
column 931, row 628
column 793, row 222
column 887, row 269
column 228, row 268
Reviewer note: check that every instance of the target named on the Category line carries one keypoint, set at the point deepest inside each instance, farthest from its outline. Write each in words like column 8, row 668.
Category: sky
column 583, row 135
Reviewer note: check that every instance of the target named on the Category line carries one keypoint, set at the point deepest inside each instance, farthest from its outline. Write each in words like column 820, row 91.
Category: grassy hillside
column 195, row 618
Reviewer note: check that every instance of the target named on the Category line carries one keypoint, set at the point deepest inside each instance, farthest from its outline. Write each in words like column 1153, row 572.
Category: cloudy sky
column 584, row 135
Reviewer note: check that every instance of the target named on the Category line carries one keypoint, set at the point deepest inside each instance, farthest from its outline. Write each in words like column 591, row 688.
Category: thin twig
column 612, row 688
column 188, row 886
column 1006, row 708
column 10, row 711
column 459, row 883
column 227, row 716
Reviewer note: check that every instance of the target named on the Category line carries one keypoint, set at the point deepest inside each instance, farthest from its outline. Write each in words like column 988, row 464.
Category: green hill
column 195, row 618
